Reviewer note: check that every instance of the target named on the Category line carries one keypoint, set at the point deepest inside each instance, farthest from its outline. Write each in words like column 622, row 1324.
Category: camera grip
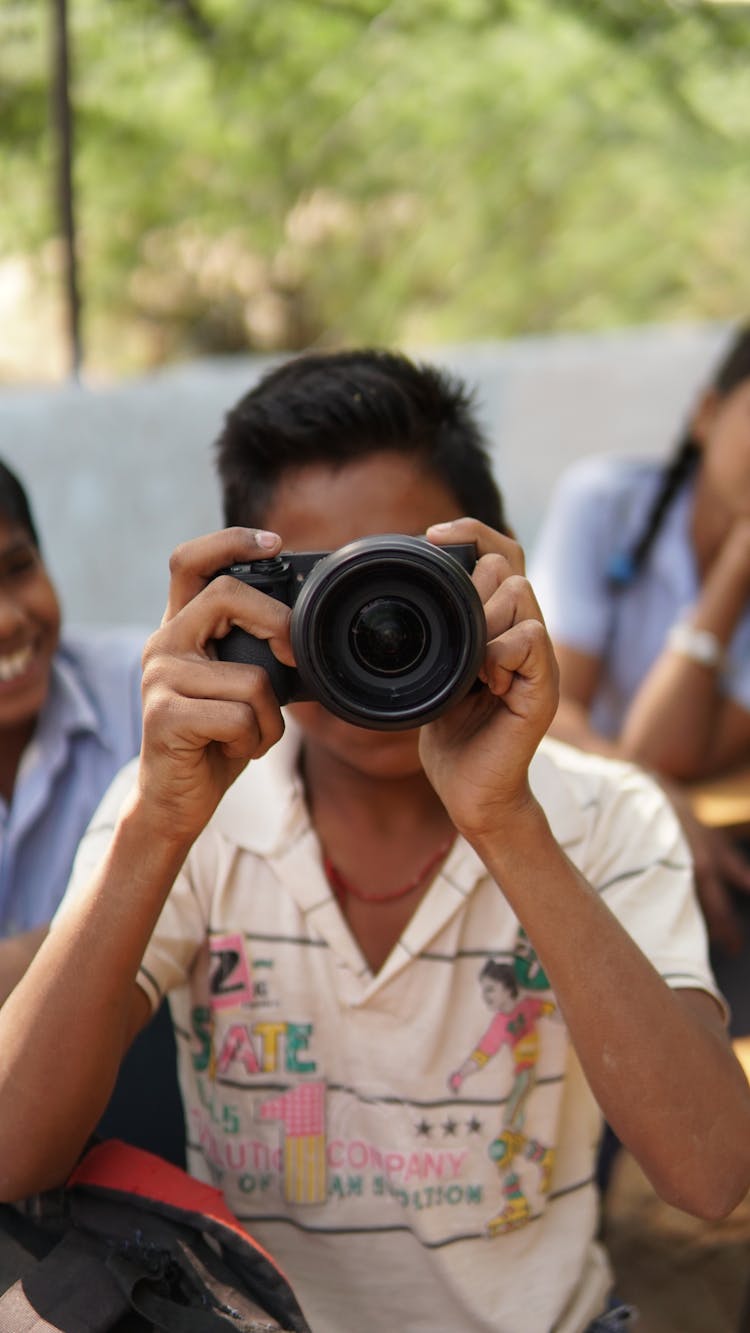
column 239, row 646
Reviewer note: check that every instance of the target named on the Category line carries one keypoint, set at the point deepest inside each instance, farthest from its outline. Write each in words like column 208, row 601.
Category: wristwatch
column 700, row 645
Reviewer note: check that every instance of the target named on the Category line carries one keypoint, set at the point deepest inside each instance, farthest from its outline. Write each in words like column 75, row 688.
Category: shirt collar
column 69, row 703
column 67, row 711
column 265, row 810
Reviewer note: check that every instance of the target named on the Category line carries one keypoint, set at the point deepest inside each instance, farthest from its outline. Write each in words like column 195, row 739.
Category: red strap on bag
column 114, row 1165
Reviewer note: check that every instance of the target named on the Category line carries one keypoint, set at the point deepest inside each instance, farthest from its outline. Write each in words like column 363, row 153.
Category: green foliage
column 255, row 174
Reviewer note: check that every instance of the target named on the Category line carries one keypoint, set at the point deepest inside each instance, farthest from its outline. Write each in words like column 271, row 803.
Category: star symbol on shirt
column 474, row 1125
column 424, row 1128
column 449, row 1127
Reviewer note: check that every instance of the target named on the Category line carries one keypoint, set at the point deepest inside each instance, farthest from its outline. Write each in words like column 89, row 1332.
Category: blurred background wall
column 119, row 475
column 553, row 199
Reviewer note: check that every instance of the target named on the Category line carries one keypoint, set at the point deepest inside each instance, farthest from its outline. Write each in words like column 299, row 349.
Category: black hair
column 338, row 406
column 733, row 368
column 14, row 503
column 504, row 973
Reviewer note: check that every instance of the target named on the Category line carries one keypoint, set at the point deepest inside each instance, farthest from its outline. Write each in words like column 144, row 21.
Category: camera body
column 386, row 631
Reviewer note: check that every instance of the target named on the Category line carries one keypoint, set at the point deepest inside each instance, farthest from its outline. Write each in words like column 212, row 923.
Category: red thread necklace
column 343, row 888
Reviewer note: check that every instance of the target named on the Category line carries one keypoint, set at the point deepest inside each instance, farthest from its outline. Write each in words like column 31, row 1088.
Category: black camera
column 386, row 632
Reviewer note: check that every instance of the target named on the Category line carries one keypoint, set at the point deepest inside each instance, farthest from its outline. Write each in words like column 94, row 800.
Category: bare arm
column 719, row 865
column 16, row 953
column 658, row 1061
column 629, row 1029
column 66, row 1025
column 680, row 723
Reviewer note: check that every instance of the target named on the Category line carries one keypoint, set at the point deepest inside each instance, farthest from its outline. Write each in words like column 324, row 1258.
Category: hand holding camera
column 201, row 724
column 387, row 632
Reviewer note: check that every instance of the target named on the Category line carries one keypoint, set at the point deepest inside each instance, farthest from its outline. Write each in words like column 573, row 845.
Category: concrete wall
column 119, row 475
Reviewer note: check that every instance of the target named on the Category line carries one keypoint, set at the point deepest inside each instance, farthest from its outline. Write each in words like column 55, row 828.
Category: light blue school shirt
column 89, row 727
column 596, row 514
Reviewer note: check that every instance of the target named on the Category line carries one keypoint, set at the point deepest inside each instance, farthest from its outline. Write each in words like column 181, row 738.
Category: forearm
column 664, row 1080
column 64, row 1029
column 16, row 953
column 674, row 721
column 677, row 722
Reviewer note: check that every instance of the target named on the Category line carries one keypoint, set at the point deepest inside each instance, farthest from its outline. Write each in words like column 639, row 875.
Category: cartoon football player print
column 514, row 1026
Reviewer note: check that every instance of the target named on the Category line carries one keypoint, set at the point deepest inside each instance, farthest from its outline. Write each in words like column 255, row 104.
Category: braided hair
column 732, row 370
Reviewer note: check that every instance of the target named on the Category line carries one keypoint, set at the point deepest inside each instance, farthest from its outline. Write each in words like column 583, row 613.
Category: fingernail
column 439, row 527
column 266, row 538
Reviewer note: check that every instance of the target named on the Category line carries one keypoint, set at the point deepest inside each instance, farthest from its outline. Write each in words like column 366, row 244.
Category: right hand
column 477, row 754
column 203, row 720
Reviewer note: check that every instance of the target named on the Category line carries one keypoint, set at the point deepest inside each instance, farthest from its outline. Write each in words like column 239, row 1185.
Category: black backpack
column 132, row 1244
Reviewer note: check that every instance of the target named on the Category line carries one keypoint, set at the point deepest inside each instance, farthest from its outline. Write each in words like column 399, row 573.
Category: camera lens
column 388, row 636
column 388, row 631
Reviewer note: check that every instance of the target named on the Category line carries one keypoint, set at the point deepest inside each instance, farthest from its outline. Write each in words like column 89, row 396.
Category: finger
column 195, row 682
column 264, row 728
column 244, row 730
column 207, row 678
column 507, row 598
column 487, row 540
column 221, row 605
column 522, row 655
column 518, row 642
column 193, row 564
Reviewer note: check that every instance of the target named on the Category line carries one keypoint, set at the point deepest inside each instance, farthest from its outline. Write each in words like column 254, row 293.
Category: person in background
column 642, row 570
column 70, row 717
column 318, row 897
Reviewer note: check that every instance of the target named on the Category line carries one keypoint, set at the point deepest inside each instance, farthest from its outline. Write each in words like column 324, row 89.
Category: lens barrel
column 388, row 631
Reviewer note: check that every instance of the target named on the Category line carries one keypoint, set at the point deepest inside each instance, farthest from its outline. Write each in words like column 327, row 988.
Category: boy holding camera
column 320, row 917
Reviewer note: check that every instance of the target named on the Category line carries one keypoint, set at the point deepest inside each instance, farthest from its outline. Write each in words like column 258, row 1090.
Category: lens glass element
column 388, row 636
column 388, row 630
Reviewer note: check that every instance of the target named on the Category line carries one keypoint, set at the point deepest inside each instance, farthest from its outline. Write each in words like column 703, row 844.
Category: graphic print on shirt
column 229, row 981
column 264, row 1047
column 301, row 1112
column 271, row 1126
column 514, row 1027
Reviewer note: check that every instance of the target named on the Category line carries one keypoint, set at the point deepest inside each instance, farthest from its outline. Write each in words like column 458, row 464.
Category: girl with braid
column 643, row 574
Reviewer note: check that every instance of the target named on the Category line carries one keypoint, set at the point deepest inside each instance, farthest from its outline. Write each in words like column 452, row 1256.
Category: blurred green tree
column 270, row 176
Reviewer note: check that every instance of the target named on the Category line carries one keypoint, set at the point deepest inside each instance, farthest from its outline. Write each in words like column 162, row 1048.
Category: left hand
column 477, row 754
